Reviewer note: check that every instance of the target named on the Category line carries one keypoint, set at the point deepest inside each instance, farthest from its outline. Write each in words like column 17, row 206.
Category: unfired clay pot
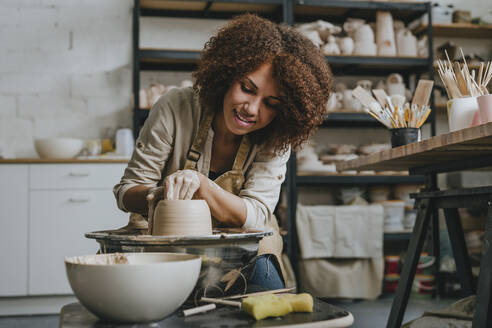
column 182, row 218
column 385, row 35
column 406, row 43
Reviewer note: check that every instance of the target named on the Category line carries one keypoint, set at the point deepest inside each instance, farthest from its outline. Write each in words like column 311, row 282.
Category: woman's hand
column 181, row 184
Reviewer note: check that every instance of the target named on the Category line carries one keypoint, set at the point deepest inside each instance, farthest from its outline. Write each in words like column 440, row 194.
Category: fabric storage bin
column 348, row 278
column 354, row 231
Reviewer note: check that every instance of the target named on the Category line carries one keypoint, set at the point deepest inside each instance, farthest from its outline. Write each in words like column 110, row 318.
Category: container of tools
column 403, row 119
column 464, row 87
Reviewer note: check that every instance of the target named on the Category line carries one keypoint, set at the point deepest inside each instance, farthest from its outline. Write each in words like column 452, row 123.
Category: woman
column 259, row 91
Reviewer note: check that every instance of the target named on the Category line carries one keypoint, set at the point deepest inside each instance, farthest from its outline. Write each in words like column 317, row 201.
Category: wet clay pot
column 182, row 218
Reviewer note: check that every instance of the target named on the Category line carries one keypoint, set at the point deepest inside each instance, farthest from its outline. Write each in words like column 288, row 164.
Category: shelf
column 458, row 30
column 169, row 59
column 175, row 59
column 211, row 9
column 398, row 236
column 337, row 10
column 376, row 65
column 340, row 119
column 354, row 179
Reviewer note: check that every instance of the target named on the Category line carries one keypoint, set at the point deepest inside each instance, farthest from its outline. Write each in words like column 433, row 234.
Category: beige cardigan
column 165, row 139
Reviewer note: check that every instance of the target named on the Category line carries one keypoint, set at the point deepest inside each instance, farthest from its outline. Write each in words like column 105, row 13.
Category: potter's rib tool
column 363, row 96
column 381, row 96
column 422, row 92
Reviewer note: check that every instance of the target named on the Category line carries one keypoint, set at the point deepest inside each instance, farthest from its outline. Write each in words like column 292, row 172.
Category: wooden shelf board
column 458, row 30
column 358, row 64
column 217, row 6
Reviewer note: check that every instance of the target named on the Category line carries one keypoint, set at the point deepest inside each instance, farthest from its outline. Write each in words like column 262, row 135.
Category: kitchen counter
column 79, row 160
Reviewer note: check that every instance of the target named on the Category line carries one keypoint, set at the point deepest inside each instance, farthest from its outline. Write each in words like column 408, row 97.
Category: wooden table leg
column 457, row 239
column 483, row 309
column 424, row 207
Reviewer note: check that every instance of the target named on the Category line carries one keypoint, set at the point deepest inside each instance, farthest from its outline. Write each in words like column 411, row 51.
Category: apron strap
column 241, row 154
column 194, row 152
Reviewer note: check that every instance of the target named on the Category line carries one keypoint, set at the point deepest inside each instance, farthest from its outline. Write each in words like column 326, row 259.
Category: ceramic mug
column 461, row 112
column 346, row 45
column 366, row 84
column 396, row 89
column 334, row 102
column 485, row 108
column 351, row 103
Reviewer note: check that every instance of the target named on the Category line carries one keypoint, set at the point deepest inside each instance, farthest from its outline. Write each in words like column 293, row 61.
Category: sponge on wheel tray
column 270, row 305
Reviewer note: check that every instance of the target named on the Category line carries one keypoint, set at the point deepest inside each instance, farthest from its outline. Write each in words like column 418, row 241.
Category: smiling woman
column 259, row 91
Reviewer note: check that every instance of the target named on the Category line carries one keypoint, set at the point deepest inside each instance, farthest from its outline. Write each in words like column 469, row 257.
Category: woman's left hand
column 181, row 184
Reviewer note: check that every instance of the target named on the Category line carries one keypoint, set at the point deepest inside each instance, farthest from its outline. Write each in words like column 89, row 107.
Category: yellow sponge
column 264, row 306
column 300, row 302
column 270, row 305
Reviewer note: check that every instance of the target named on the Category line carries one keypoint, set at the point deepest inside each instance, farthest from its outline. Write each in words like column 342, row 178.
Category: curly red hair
column 302, row 73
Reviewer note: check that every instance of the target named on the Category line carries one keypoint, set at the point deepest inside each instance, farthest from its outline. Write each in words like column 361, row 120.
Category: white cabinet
column 45, row 210
column 59, row 220
column 13, row 229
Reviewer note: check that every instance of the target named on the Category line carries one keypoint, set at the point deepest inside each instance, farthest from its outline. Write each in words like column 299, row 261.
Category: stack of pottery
column 395, row 85
column 321, row 32
column 406, row 43
column 334, row 102
column 182, row 218
column 385, row 35
column 364, row 41
column 351, row 103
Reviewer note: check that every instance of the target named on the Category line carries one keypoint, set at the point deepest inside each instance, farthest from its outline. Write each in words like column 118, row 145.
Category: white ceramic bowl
column 147, row 288
column 58, row 147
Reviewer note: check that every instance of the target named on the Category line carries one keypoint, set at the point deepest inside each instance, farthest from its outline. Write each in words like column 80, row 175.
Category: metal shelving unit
column 336, row 11
column 288, row 12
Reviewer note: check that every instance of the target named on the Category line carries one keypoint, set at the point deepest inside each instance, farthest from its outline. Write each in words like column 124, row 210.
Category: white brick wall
column 65, row 70
column 65, row 65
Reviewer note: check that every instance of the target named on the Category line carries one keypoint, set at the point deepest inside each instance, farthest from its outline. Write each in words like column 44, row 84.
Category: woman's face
column 252, row 102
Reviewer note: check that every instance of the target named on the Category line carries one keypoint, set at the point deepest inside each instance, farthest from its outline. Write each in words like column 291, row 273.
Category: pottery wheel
column 219, row 237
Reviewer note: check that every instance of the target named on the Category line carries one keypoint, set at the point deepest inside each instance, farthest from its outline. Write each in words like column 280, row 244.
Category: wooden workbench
column 460, row 150
column 474, row 142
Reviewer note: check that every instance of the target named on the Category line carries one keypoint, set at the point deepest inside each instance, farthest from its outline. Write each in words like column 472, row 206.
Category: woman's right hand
column 181, row 184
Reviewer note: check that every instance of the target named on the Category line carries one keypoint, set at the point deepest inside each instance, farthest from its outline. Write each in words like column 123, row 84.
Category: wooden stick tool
column 422, row 92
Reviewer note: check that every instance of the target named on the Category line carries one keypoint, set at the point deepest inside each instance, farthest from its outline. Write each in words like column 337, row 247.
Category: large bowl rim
column 58, row 139
column 187, row 258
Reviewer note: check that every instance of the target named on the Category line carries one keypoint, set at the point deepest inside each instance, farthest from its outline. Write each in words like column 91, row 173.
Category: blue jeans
column 265, row 273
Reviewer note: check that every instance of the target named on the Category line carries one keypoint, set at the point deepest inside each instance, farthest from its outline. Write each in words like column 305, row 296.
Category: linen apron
column 232, row 181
